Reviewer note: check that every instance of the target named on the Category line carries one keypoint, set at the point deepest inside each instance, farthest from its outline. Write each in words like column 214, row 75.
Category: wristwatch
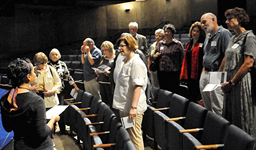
column 133, row 107
column 231, row 83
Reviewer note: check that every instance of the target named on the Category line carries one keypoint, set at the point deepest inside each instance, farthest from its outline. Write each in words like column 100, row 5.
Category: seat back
column 122, row 137
column 78, row 75
column 86, row 101
column 215, row 129
column 195, row 118
column 163, row 100
column 129, row 146
column 75, row 65
column 178, row 107
column 238, row 139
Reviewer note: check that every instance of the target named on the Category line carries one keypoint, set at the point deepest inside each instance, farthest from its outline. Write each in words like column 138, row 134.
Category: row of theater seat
column 175, row 124
column 95, row 124
column 166, row 120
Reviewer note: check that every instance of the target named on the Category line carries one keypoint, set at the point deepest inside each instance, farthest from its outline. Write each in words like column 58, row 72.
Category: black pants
column 61, row 121
column 106, row 95
column 193, row 90
column 169, row 80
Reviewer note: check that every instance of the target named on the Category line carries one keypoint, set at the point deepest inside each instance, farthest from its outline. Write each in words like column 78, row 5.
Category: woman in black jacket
column 24, row 111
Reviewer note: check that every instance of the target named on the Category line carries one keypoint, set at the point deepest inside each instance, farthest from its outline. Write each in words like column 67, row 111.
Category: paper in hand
column 56, row 110
column 127, row 123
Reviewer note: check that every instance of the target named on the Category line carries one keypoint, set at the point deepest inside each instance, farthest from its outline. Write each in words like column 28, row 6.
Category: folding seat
column 236, row 139
column 68, row 113
column 194, row 118
column 101, row 124
column 86, row 102
column 214, row 131
column 68, row 63
column 183, row 90
column 5, row 82
column 129, row 146
column 78, row 76
column 73, row 58
column 122, row 137
column 85, row 126
column 178, row 107
column 176, row 36
column 64, row 57
column 78, row 98
column 76, row 66
column 163, row 103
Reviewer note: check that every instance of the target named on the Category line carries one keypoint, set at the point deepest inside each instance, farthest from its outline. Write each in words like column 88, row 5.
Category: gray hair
column 89, row 41
column 54, row 50
column 133, row 24
column 170, row 27
column 161, row 31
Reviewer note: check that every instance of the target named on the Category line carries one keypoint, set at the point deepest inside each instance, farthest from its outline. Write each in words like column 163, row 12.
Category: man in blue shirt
column 90, row 57
column 215, row 46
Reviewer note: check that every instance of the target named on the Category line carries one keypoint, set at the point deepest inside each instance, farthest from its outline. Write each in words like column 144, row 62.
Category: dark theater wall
column 40, row 28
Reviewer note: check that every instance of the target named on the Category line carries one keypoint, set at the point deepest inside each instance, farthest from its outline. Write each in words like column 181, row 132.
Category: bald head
column 209, row 23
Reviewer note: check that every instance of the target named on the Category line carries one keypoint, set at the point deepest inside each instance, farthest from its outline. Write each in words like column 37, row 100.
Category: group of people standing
column 123, row 87
column 212, row 48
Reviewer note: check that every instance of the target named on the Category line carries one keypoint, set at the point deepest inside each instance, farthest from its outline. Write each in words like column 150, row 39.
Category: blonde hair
column 55, row 50
column 40, row 58
column 108, row 46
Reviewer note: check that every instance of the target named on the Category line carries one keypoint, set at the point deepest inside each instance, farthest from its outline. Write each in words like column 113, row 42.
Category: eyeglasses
column 132, row 29
column 158, row 36
column 167, row 31
column 121, row 45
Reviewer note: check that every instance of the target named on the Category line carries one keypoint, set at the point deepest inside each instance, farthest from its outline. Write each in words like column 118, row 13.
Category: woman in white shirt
column 129, row 96
column 47, row 81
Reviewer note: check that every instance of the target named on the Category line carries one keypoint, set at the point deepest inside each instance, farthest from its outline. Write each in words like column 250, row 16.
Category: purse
column 153, row 65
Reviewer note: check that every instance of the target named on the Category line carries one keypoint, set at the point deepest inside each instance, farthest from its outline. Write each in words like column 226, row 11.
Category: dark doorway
column 223, row 5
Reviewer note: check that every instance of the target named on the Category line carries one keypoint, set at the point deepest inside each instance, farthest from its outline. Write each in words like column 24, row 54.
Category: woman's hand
column 132, row 114
column 107, row 73
column 226, row 87
column 96, row 72
column 156, row 55
column 48, row 92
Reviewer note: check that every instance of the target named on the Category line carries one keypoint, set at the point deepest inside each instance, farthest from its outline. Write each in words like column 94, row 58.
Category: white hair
column 161, row 31
column 133, row 24
column 55, row 50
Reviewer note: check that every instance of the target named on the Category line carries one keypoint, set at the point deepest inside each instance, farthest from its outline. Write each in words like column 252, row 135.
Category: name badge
column 161, row 49
column 214, row 43
column 142, row 47
column 200, row 44
column 111, row 60
column 235, row 46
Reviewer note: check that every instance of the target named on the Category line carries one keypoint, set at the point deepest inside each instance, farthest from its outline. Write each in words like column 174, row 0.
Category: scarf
column 12, row 99
column 194, row 63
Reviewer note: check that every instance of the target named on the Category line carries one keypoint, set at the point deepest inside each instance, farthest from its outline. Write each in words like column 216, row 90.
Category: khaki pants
column 214, row 101
column 92, row 87
column 135, row 131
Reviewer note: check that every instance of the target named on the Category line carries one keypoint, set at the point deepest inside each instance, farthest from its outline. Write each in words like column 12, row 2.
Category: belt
column 207, row 69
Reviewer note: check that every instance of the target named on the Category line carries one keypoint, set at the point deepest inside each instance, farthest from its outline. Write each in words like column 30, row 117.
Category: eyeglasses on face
column 120, row 45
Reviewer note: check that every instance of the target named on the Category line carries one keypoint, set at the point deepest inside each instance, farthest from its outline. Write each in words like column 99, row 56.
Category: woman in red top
column 192, row 63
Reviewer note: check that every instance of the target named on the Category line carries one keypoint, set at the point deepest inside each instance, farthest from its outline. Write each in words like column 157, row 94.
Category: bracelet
column 231, row 83
column 83, row 53
column 133, row 107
